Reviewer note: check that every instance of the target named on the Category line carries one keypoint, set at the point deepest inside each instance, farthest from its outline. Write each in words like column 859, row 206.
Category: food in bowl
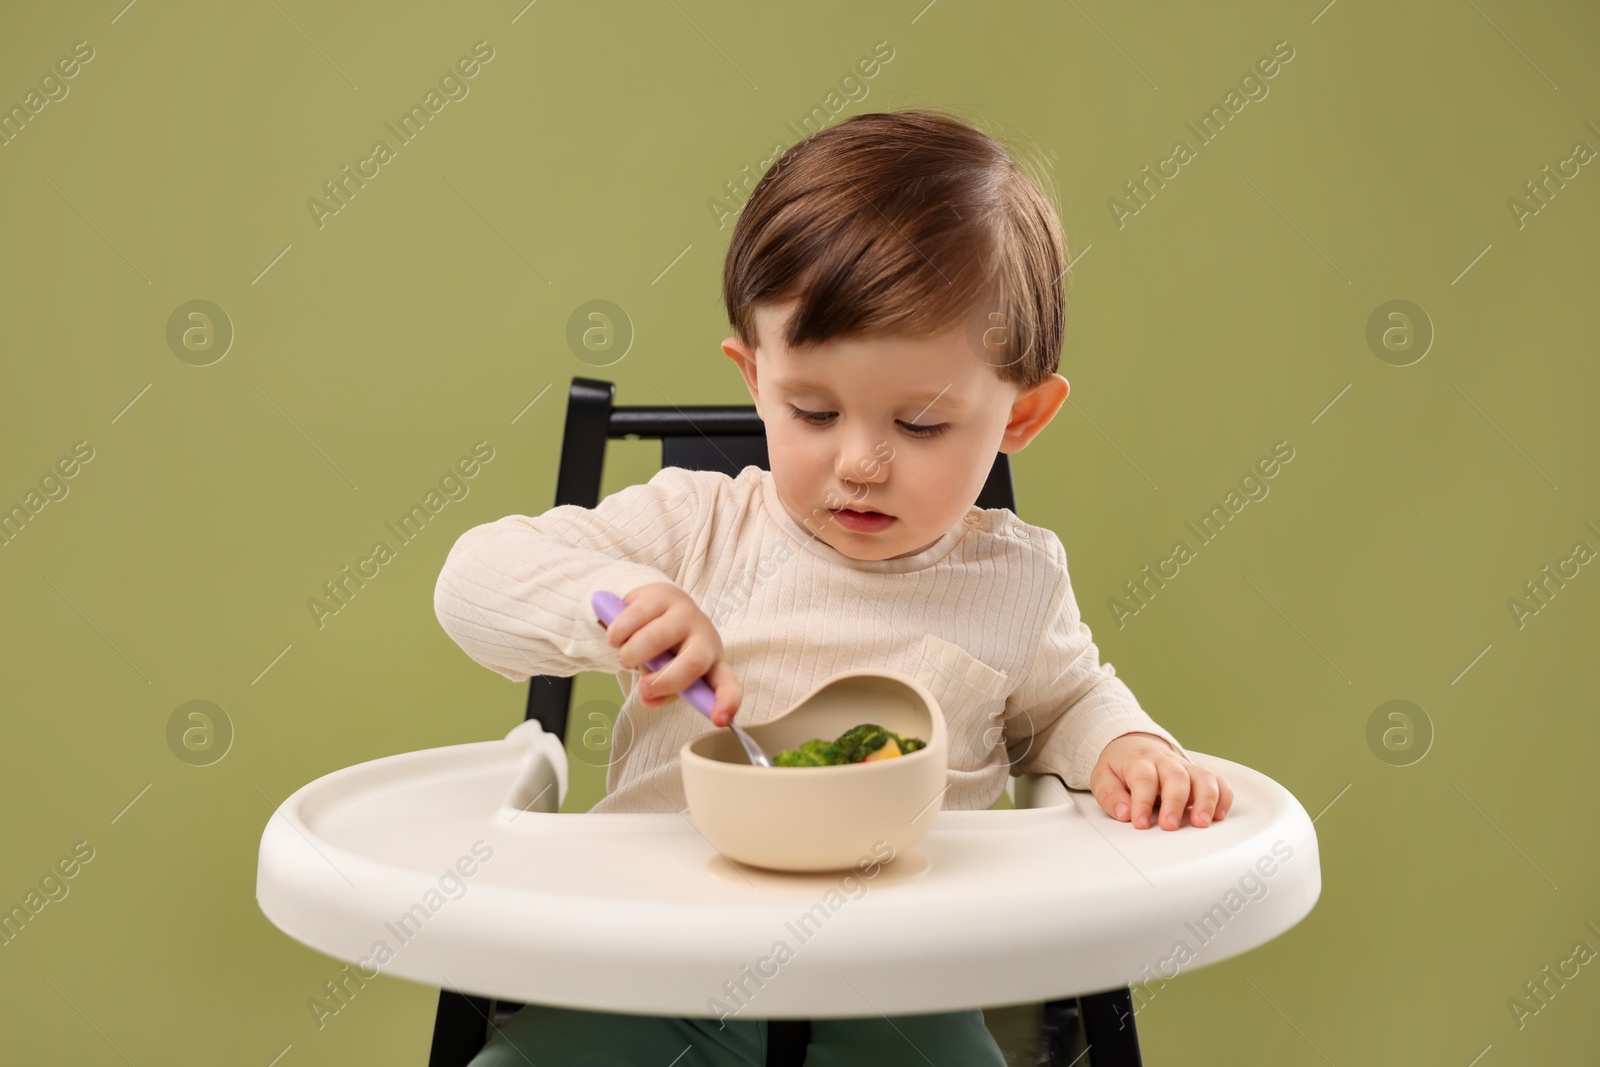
column 866, row 743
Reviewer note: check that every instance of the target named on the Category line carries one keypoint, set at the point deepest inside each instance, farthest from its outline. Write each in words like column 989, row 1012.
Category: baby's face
column 902, row 429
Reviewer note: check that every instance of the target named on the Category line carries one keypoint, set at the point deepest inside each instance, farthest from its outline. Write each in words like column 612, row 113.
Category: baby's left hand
column 1135, row 767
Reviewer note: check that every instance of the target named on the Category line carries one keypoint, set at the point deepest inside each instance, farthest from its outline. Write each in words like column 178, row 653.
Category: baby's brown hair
column 904, row 223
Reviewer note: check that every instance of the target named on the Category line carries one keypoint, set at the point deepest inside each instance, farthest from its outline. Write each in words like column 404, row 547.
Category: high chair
column 1072, row 903
column 729, row 438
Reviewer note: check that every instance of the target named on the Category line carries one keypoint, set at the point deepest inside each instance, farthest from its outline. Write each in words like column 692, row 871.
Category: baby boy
column 894, row 286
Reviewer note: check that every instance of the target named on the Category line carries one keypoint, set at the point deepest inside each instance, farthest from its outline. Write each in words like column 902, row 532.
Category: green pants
column 563, row 1037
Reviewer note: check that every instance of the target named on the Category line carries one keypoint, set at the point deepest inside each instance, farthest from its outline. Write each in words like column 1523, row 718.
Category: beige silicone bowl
column 822, row 818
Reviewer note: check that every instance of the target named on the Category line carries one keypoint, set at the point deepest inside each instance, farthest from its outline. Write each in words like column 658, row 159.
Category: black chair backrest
column 713, row 437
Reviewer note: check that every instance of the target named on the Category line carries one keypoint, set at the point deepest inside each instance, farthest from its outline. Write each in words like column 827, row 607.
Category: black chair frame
column 729, row 438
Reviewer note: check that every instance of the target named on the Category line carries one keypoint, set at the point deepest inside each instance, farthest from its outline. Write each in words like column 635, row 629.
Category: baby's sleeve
column 1069, row 705
column 514, row 593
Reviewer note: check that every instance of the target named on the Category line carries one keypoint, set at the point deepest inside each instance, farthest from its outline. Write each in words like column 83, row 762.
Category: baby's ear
column 744, row 358
column 738, row 351
column 1032, row 411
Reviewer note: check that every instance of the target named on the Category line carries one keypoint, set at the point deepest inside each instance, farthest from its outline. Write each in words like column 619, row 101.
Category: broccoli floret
column 825, row 753
column 909, row 745
column 858, row 742
column 813, row 753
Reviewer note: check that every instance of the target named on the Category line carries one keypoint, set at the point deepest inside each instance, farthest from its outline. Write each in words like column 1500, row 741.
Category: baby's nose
column 863, row 465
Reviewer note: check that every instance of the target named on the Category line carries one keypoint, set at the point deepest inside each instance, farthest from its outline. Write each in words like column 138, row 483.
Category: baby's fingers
column 643, row 605
column 1225, row 797
column 729, row 692
column 642, row 691
column 1144, row 782
column 1203, row 795
column 1114, row 798
column 1175, row 790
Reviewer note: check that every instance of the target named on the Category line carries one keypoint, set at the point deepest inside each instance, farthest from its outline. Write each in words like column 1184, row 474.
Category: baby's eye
column 822, row 418
column 815, row 418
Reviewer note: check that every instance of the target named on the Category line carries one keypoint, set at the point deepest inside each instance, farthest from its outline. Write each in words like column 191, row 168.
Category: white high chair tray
column 417, row 866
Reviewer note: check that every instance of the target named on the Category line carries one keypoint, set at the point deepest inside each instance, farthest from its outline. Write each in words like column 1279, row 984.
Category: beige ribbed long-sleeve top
column 985, row 617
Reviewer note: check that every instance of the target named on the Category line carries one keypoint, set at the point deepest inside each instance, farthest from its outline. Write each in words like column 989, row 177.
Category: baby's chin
column 873, row 549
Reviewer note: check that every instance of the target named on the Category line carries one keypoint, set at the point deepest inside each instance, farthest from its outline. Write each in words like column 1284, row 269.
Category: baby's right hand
column 661, row 617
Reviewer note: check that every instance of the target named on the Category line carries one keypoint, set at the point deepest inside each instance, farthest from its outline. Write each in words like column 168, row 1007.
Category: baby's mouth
column 862, row 520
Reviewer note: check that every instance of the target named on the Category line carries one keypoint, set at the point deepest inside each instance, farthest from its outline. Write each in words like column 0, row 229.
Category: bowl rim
column 935, row 715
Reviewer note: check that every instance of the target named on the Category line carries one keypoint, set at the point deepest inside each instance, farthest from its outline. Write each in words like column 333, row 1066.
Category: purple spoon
column 700, row 696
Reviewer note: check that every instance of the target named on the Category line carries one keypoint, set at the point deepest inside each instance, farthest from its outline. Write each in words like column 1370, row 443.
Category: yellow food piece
column 889, row 751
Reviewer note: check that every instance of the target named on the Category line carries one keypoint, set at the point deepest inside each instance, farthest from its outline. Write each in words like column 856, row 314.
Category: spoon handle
column 699, row 695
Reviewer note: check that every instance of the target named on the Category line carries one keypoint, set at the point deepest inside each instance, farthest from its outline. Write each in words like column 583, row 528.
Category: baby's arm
column 1070, row 705
column 514, row 593
column 1074, row 717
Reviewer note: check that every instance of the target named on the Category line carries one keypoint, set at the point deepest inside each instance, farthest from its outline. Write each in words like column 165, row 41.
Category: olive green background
column 371, row 353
